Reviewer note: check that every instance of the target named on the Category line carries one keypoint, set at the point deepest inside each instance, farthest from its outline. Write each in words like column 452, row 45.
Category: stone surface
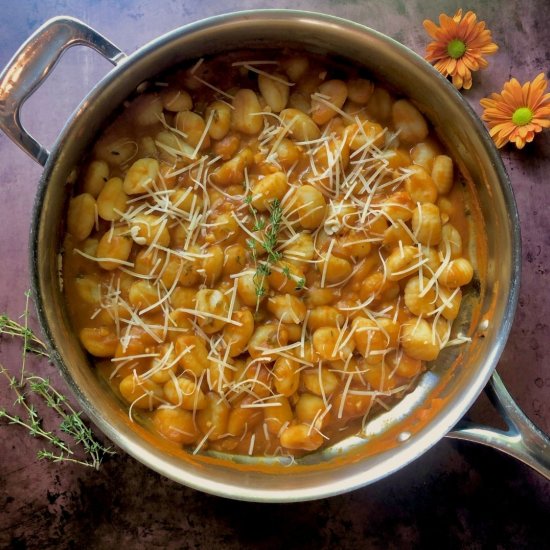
column 457, row 495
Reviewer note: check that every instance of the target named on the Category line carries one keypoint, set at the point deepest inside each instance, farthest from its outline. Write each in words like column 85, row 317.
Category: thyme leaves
column 79, row 445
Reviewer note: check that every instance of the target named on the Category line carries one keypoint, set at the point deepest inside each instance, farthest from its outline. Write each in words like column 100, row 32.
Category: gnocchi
column 260, row 262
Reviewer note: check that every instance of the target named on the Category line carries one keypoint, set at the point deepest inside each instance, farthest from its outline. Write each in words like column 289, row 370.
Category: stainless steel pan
column 445, row 393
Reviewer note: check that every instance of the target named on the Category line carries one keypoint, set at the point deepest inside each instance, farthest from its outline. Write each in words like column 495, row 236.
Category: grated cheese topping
column 238, row 301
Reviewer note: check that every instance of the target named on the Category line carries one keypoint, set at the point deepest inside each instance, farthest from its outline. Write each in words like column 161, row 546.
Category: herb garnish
column 71, row 422
column 269, row 242
column 272, row 233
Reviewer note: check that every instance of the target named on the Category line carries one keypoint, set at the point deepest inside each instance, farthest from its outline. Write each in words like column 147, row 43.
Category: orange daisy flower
column 459, row 46
column 518, row 112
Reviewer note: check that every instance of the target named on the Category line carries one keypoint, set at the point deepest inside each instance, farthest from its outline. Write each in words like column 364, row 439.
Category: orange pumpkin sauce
column 262, row 256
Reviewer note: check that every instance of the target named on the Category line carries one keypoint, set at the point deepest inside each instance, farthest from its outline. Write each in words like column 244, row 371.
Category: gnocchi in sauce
column 262, row 254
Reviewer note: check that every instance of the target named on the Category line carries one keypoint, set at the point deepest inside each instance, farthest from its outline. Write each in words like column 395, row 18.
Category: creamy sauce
column 261, row 257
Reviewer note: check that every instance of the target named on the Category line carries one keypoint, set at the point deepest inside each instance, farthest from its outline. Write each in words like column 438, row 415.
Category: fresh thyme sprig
column 269, row 243
column 31, row 343
column 71, row 422
column 33, row 422
column 272, row 233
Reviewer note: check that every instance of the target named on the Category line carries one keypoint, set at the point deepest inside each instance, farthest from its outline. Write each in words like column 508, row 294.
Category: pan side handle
column 30, row 66
column 522, row 440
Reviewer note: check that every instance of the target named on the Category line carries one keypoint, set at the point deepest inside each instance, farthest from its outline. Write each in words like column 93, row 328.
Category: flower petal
column 431, row 27
column 536, row 91
column 458, row 81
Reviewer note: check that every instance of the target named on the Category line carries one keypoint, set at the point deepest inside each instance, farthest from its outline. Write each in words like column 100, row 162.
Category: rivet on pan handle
column 523, row 440
column 30, row 66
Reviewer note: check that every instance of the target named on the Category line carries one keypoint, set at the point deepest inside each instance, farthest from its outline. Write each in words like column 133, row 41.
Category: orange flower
column 518, row 112
column 459, row 46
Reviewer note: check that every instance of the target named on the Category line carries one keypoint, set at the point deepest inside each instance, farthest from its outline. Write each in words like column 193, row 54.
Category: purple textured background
column 457, row 495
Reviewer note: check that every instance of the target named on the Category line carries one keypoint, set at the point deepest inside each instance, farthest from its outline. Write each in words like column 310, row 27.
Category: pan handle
column 522, row 440
column 30, row 66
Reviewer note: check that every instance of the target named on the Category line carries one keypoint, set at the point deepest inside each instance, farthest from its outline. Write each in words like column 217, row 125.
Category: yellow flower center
column 456, row 48
column 522, row 116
